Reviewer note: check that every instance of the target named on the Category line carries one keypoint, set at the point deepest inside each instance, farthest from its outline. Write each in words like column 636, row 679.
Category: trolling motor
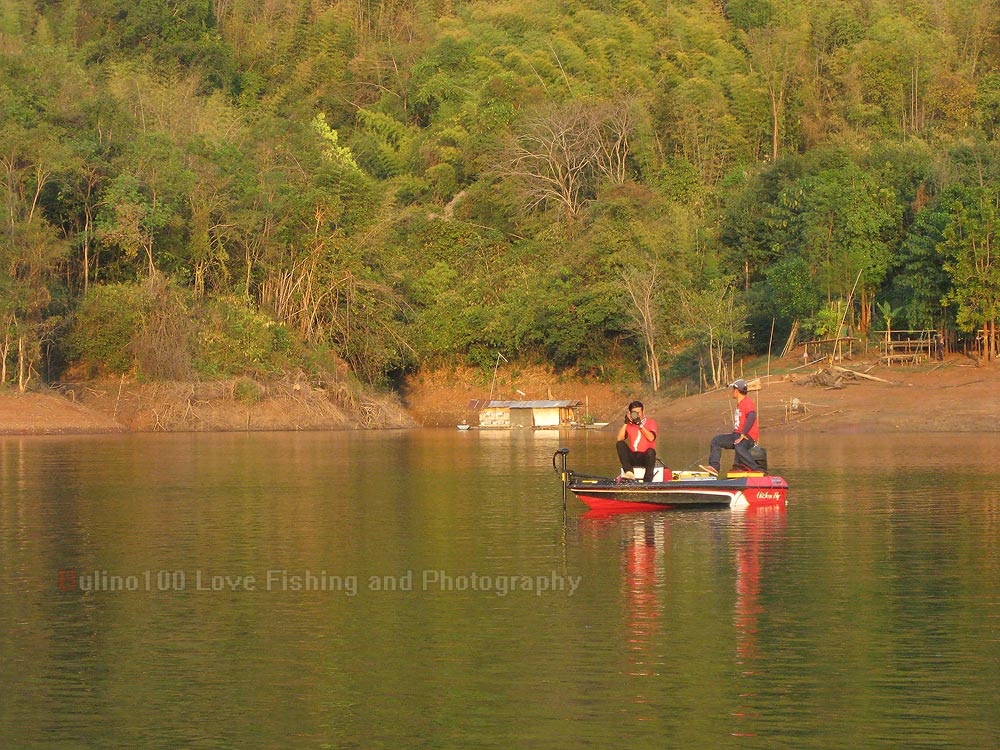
column 564, row 474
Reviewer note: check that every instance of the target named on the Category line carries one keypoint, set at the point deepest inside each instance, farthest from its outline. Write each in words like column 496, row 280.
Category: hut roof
column 561, row 404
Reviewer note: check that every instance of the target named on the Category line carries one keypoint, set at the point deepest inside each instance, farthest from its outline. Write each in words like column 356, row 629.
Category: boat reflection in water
column 762, row 530
column 664, row 610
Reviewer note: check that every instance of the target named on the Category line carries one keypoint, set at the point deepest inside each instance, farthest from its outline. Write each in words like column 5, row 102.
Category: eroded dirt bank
column 950, row 396
column 851, row 396
column 242, row 404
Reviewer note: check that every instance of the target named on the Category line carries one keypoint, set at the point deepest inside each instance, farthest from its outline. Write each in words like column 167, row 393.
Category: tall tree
column 849, row 226
column 776, row 54
column 713, row 321
column 970, row 248
column 30, row 246
column 553, row 157
column 129, row 219
column 645, row 310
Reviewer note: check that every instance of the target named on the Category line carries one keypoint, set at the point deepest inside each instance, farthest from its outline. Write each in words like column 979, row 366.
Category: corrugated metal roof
column 565, row 404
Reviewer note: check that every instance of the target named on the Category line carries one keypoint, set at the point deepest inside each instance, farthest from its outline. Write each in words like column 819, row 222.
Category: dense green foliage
column 581, row 183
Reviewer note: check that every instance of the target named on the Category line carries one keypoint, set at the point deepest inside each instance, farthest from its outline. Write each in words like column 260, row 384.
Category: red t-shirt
column 636, row 440
column 744, row 407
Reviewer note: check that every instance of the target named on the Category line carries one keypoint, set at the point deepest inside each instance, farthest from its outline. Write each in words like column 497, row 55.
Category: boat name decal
column 764, row 495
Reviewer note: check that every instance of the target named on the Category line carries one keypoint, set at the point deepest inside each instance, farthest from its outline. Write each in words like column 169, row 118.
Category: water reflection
column 759, row 532
column 655, row 553
column 866, row 615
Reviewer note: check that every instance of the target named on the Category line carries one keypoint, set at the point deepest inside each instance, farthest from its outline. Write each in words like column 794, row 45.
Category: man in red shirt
column 637, row 442
column 746, row 432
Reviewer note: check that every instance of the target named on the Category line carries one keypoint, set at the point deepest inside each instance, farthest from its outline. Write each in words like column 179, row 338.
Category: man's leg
column 743, row 456
column 649, row 464
column 624, row 455
column 720, row 442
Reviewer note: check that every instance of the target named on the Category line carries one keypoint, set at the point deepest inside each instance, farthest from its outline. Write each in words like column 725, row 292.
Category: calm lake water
column 425, row 589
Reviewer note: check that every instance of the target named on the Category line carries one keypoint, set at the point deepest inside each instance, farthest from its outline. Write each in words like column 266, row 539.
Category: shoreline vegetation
column 955, row 395
column 197, row 191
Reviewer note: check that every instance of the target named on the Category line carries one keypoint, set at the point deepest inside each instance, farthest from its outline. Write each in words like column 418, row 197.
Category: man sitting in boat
column 637, row 442
column 745, row 434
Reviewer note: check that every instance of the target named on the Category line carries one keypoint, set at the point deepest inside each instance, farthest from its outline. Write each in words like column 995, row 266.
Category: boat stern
column 762, row 491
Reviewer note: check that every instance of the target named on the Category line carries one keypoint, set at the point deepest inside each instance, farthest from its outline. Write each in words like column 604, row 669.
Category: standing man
column 637, row 442
column 746, row 432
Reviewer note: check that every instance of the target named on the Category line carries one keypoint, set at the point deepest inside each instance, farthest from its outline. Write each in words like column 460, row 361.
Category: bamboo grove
column 206, row 187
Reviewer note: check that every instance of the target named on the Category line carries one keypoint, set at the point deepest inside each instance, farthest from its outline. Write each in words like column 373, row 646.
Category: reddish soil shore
column 45, row 413
column 215, row 406
column 950, row 396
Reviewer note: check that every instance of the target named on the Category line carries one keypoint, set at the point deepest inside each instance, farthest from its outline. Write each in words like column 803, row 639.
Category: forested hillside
column 206, row 188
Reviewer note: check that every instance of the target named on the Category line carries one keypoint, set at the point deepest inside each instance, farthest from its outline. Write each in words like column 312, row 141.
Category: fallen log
column 864, row 375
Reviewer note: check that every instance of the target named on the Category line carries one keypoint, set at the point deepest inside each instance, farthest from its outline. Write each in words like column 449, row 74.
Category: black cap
column 740, row 385
column 636, row 405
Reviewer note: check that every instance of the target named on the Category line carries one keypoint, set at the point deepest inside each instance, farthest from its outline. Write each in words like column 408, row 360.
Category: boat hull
column 742, row 492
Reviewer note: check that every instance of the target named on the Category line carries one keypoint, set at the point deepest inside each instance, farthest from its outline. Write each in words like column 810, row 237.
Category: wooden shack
column 509, row 414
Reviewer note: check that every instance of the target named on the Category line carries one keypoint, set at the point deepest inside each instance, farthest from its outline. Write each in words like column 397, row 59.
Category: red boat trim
column 750, row 492
column 604, row 503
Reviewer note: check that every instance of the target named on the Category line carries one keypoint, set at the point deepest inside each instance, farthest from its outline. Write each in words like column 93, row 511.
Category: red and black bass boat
column 684, row 489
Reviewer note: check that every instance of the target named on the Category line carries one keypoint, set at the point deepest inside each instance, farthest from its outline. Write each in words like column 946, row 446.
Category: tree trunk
column 775, row 125
column 718, row 362
column 654, row 368
column 712, row 367
column 23, row 367
column 199, row 279
column 148, row 247
column 642, row 291
column 4, row 351
column 86, row 259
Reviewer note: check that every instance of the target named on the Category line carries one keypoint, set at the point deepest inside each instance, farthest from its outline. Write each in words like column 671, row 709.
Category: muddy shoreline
column 851, row 397
column 239, row 405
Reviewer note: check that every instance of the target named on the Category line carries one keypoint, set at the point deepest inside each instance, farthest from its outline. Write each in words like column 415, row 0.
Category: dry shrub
column 162, row 346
